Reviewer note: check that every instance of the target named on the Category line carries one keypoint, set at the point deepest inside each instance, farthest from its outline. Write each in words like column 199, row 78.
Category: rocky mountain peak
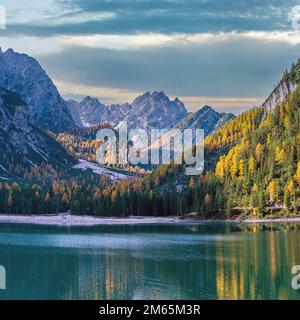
column 25, row 76
column 160, row 95
column 204, row 109
column 90, row 101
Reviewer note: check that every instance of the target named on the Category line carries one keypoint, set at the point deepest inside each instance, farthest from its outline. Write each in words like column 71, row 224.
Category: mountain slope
column 205, row 118
column 22, row 144
column 73, row 108
column 284, row 88
column 24, row 75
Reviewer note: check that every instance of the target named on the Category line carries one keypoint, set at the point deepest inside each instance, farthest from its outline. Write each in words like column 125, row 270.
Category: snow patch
column 114, row 176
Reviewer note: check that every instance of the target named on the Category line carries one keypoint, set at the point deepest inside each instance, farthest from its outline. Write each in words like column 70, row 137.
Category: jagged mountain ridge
column 22, row 144
column 148, row 111
column 24, row 75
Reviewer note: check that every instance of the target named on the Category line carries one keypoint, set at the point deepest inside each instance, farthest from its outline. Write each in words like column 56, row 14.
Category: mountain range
column 252, row 165
column 149, row 111
column 23, row 75
column 31, row 106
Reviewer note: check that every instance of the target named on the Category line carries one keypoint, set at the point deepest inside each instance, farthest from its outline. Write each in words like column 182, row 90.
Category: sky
column 224, row 53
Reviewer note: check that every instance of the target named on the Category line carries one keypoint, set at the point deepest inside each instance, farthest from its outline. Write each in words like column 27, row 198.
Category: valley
column 48, row 160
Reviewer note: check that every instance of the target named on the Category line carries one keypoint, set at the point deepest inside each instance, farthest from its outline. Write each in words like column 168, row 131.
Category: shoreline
column 79, row 220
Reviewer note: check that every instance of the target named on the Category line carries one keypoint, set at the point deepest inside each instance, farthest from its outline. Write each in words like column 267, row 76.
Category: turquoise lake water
column 186, row 261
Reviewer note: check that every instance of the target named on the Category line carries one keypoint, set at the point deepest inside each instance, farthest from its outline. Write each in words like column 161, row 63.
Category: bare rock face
column 279, row 95
column 286, row 86
column 22, row 144
column 24, row 75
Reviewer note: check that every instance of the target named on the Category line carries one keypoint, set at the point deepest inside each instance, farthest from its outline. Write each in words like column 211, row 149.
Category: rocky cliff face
column 286, row 86
column 279, row 94
column 22, row 144
column 24, row 75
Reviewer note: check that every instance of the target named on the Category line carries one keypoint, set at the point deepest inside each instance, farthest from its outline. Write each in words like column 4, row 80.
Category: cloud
column 121, row 42
column 230, row 68
column 105, row 94
column 228, row 53
column 33, row 45
column 80, row 17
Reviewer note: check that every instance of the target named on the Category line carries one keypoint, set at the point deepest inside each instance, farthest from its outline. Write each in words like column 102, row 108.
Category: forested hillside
column 262, row 172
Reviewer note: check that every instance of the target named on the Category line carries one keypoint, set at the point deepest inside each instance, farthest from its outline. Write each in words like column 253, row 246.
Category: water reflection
column 190, row 261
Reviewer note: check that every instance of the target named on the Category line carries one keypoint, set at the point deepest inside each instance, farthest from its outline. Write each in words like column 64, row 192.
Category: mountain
column 22, row 144
column 148, row 111
column 156, row 110
column 151, row 110
column 24, row 75
column 205, row 118
column 91, row 111
column 286, row 86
